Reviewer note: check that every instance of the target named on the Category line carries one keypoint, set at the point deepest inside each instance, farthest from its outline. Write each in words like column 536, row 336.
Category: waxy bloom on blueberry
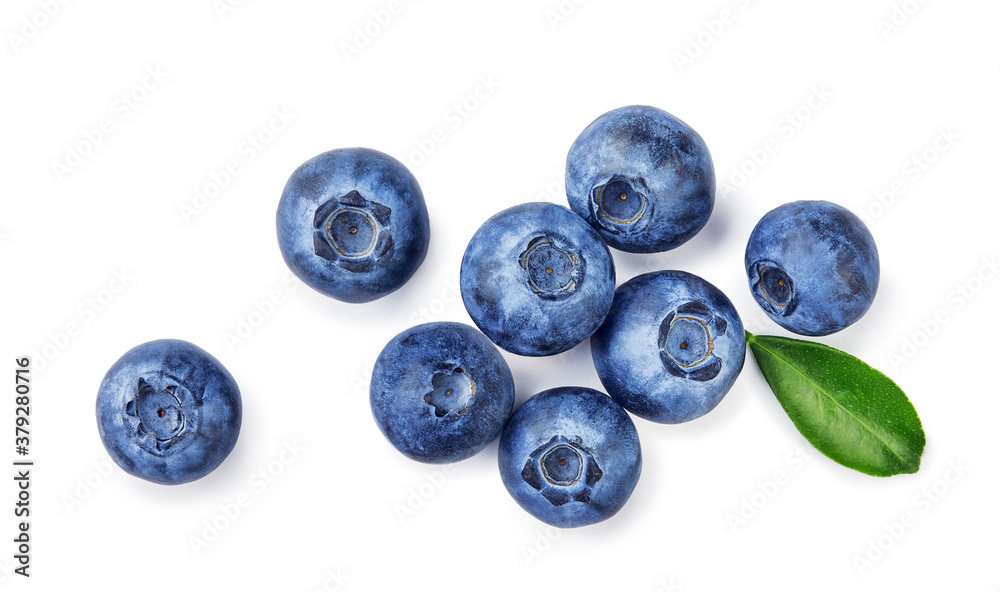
column 536, row 279
column 168, row 412
column 352, row 224
column 440, row 392
column 812, row 266
column 570, row 456
column 642, row 178
column 671, row 347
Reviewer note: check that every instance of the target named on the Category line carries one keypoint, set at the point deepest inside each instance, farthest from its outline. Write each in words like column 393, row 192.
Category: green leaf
column 848, row 410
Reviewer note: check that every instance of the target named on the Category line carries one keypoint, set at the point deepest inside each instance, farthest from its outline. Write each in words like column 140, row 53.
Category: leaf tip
column 912, row 466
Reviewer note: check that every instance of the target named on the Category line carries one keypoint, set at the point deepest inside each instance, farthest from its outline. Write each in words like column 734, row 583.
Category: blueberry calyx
column 687, row 346
column 162, row 417
column 772, row 288
column 618, row 206
column 562, row 470
column 452, row 392
column 552, row 270
column 352, row 232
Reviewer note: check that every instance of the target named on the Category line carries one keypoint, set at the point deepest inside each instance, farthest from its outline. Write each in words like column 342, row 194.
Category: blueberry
column 352, row 224
column 536, row 279
column 441, row 392
column 169, row 412
column 671, row 347
column 812, row 266
column 570, row 456
column 642, row 178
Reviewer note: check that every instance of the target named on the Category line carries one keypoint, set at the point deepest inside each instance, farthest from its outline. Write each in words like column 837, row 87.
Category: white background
column 340, row 507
